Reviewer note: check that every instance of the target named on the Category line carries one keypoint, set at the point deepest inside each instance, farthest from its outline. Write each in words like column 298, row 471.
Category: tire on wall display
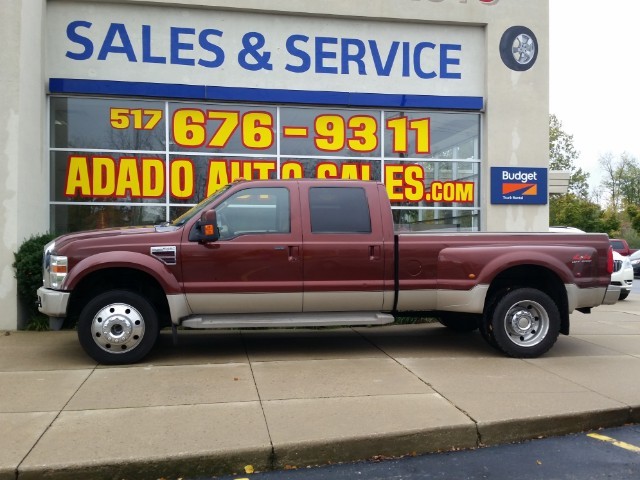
column 519, row 48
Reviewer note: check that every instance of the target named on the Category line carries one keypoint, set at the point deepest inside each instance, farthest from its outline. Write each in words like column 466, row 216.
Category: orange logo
column 519, row 188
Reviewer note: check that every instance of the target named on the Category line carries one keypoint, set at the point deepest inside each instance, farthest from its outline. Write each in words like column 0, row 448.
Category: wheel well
column 119, row 278
column 533, row 276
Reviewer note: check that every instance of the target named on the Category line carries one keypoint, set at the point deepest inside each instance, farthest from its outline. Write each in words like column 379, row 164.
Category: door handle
column 374, row 252
column 294, row 253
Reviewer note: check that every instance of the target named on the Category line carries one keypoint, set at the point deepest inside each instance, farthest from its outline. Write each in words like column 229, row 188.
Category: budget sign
column 519, row 185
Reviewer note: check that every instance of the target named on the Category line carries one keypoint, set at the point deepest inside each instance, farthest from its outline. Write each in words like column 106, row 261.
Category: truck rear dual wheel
column 524, row 323
column 118, row 327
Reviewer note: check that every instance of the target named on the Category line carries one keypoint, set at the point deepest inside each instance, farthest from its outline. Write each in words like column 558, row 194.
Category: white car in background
column 622, row 274
column 565, row 230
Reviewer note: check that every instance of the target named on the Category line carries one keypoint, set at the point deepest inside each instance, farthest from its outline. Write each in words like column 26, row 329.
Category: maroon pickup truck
column 621, row 246
column 287, row 253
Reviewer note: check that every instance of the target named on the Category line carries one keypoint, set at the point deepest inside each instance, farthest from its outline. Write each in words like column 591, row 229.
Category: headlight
column 54, row 267
column 626, row 263
column 46, row 262
column 57, row 271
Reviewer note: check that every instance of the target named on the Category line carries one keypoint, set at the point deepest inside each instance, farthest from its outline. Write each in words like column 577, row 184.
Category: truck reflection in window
column 254, row 210
column 339, row 210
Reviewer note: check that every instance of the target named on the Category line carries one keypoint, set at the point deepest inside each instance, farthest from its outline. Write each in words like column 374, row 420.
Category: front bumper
column 53, row 302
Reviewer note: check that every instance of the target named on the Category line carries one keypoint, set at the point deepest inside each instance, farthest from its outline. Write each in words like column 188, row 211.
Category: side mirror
column 206, row 229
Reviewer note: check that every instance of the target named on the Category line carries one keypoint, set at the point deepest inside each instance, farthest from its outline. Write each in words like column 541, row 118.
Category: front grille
column 617, row 265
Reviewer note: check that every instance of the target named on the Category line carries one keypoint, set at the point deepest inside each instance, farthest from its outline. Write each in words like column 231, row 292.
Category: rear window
column 339, row 210
column 617, row 244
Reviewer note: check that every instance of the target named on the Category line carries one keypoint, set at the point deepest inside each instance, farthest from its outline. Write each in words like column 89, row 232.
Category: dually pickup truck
column 295, row 253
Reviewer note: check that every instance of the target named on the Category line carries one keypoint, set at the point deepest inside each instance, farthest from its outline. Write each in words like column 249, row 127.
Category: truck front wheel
column 525, row 323
column 118, row 327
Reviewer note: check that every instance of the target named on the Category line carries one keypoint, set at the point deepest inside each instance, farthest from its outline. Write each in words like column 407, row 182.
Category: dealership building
column 119, row 113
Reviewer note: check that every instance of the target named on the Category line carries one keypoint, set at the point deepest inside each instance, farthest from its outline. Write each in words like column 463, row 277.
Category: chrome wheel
column 117, row 328
column 523, row 322
column 527, row 323
column 523, row 49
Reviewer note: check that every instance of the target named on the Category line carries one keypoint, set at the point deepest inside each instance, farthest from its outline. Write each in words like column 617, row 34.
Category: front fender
column 118, row 259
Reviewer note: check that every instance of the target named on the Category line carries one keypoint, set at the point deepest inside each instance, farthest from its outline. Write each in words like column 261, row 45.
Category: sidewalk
column 222, row 400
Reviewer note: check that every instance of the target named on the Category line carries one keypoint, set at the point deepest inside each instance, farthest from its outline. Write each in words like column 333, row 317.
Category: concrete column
column 23, row 165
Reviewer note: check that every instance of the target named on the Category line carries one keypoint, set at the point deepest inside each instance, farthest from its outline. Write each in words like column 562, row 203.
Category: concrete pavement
column 220, row 401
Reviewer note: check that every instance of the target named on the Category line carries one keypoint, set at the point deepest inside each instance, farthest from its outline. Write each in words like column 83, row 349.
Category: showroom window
column 123, row 162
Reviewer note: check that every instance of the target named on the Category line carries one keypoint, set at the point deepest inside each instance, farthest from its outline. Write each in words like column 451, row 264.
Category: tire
column 118, row 327
column 519, row 48
column 525, row 323
column 486, row 330
column 460, row 322
column 624, row 294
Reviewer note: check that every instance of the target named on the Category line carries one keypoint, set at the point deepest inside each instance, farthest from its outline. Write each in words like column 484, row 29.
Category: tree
column 611, row 180
column 622, row 193
column 620, row 180
column 634, row 216
column 629, row 184
column 574, row 211
column 576, row 208
column 563, row 155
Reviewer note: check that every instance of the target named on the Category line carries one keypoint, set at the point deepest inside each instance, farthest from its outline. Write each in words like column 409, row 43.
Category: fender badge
column 578, row 258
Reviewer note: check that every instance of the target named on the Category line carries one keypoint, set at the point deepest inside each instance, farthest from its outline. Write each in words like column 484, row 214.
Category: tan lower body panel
column 204, row 303
column 343, row 301
column 469, row 301
column 585, row 297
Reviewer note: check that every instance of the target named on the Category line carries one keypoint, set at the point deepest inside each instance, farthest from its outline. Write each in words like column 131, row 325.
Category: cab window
column 254, row 210
column 339, row 210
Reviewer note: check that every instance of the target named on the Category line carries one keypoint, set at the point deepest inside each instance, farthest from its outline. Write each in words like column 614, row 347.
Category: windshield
column 193, row 211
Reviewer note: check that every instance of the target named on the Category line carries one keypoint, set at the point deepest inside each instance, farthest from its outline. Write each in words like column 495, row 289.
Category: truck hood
column 119, row 235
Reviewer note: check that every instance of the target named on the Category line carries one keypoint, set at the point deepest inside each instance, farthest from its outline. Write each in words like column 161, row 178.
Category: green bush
column 28, row 273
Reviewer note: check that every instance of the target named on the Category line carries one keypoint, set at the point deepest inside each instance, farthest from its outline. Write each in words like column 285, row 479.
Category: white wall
column 23, row 171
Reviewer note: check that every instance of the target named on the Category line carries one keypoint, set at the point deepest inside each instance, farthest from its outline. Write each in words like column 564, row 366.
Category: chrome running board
column 312, row 319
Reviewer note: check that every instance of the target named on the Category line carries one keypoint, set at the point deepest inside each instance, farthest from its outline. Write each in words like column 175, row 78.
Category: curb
column 531, row 428
column 287, row 456
column 179, row 466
